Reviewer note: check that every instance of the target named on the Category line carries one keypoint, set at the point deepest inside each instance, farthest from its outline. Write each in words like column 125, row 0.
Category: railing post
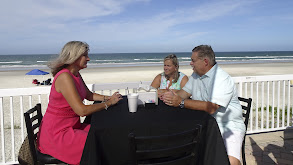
column 283, row 107
column 245, row 89
column 240, row 89
column 268, row 105
column 262, row 106
column 30, row 101
column 273, row 105
column 251, row 112
column 12, row 129
column 21, row 117
column 40, row 100
column 288, row 104
column 278, row 105
column 256, row 111
column 2, row 130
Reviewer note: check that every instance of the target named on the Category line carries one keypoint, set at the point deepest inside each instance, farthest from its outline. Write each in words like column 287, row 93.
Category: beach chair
column 47, row 82
column 184, row 148
column 246, row 106
column 33, row 118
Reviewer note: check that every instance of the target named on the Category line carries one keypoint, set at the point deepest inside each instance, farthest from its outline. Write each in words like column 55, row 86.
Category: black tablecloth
column 107, row 141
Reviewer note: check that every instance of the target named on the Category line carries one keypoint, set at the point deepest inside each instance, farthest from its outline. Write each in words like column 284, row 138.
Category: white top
column 218, row 87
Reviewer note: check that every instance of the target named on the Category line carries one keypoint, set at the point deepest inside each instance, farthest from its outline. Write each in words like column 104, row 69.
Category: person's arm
column 183, row 81
column 175, row 96
column 94, row 96
column 156, row 82
column 207, row 106
column 174, row 99
column 64, row 84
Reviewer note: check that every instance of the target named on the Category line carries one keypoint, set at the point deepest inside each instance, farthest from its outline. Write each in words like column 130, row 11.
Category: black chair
column 246, row 112
column 33, row 121
column 179, row 148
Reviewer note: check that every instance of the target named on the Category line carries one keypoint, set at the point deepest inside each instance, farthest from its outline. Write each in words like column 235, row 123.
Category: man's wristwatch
column 182, row 104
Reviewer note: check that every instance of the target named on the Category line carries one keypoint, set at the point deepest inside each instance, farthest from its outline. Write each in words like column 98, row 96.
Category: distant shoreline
column 123, row 65
column 15, row 54
column 112, row 60
column 106, row 74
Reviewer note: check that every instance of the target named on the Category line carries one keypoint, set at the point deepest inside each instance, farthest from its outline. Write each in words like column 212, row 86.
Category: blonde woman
column 61, row 134
column 171, row 78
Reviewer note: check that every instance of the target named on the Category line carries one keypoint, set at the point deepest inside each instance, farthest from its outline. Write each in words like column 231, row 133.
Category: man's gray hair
column 205, row 51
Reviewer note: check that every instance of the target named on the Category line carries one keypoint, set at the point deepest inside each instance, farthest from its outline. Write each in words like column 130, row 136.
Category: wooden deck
column 270, row 148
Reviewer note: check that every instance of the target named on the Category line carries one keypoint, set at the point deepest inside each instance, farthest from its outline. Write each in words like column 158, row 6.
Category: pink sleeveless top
column 61, row 134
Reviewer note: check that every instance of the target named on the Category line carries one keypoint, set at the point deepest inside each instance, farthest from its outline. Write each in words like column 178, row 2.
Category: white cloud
column 54, row 13
column 160, row 25
column 56, row 21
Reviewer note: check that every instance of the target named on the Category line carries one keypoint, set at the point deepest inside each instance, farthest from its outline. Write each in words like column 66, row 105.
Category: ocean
column 32, row 61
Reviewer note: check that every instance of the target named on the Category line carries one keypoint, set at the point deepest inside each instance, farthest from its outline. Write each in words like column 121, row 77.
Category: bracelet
column 106, row 106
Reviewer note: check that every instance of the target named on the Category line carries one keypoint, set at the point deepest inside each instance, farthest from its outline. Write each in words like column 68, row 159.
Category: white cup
column 132, row 102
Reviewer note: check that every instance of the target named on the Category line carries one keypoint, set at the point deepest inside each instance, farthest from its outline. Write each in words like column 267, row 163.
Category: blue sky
column 114, row 26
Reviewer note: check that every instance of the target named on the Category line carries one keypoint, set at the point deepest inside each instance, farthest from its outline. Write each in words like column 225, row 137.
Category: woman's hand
column 161, row 93
column 115, row 98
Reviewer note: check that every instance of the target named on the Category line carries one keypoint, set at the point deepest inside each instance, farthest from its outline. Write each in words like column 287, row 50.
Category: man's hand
column 171, row 98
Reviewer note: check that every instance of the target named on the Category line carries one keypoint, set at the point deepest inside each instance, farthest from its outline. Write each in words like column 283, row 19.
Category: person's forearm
column 181, row 93
column 201, row 105
column 97, row 97
column 89, row 109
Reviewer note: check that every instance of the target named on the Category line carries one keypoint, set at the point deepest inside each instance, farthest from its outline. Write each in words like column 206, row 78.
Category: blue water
column 29, row 61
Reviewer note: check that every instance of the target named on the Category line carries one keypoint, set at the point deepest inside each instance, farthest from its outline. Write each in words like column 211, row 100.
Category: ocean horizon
column 40, row 61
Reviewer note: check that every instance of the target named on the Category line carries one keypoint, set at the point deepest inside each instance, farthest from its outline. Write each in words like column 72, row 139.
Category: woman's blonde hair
column 69, row 54
column 175, row 62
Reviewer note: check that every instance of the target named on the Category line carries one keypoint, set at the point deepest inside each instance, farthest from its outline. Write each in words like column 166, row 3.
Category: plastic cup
column 132, row 102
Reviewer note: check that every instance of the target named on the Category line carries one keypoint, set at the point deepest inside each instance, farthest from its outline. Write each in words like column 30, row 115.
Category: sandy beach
column 18, row 79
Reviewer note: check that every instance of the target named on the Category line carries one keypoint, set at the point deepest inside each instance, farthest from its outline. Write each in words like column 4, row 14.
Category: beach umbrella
column 36, row 72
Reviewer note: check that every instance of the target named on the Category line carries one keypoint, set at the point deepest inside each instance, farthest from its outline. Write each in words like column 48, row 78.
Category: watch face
column 181, row 104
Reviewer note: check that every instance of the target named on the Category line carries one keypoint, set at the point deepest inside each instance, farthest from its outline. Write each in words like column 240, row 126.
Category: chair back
column 246, row 106
column 33, row 118
column 179, row 148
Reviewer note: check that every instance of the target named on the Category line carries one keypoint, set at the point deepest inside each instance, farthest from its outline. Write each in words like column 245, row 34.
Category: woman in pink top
column 61, row 134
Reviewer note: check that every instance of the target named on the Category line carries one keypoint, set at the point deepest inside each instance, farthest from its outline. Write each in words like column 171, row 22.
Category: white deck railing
column 271, row 101
column 265, row 91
